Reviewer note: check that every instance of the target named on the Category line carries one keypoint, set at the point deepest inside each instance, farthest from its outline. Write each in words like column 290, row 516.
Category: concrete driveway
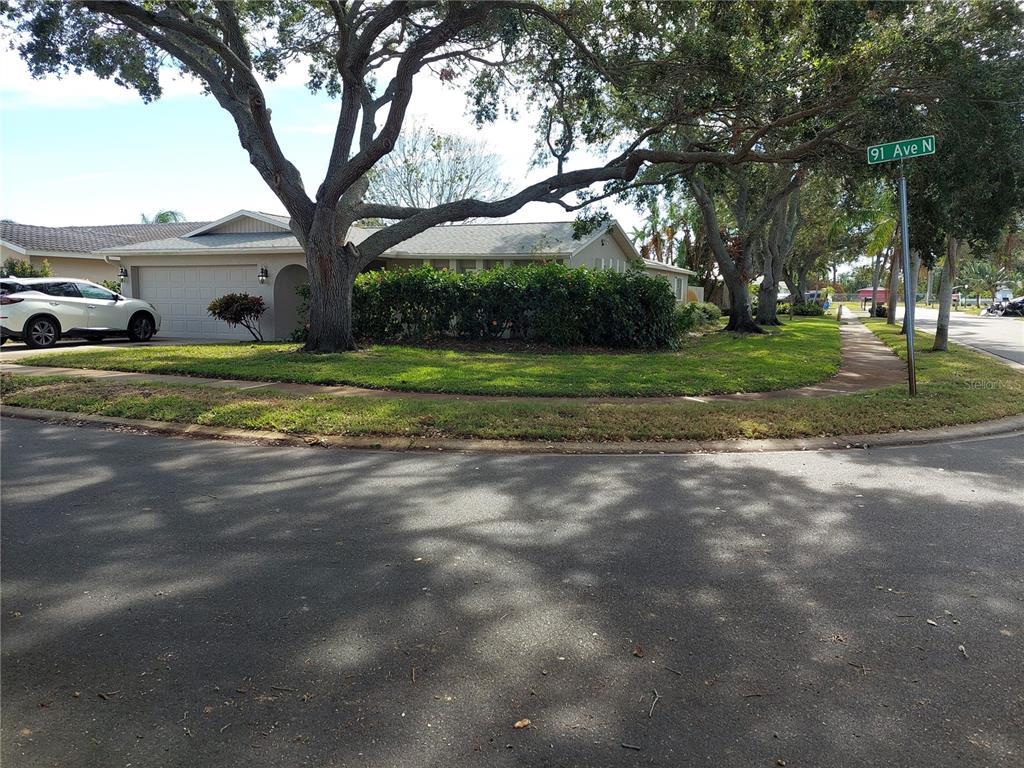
column 178, row 603
column 1000, row 336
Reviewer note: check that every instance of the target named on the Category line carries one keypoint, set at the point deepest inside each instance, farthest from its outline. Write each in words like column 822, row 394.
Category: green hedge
column 547, row 303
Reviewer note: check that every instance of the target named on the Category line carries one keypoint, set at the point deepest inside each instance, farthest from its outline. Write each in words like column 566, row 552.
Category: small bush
column 695, row 315
column 712, row 312
column 240, row 309
column 111, row 285
column 21, row 268
column 808, row 309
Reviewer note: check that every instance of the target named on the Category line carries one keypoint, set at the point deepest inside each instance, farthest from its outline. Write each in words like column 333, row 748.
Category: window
column 95, row 292
column 679, row 287
column 492, row 263
column 11, row 287
column 58, row 289
column 439, row 263
column 466, row 265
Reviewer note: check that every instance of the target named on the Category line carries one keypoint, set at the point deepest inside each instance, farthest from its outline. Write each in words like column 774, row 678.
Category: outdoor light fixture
column 123, row 274
column 263, row 275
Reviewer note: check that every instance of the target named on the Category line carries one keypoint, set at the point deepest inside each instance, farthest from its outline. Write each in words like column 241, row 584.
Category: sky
column 80, row 150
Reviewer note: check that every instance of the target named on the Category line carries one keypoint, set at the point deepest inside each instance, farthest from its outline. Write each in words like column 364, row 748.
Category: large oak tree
column 609, row 75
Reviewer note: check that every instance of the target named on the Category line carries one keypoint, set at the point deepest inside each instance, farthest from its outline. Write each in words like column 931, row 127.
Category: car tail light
column 5, row 299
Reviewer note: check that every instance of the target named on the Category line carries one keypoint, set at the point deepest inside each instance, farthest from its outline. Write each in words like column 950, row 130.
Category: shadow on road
column 168, row 602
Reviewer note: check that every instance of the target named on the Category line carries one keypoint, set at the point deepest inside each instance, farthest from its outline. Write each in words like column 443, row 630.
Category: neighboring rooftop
column 88, row 239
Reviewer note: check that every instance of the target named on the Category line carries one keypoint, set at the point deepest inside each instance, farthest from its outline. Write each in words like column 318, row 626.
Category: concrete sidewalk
column 866, row 364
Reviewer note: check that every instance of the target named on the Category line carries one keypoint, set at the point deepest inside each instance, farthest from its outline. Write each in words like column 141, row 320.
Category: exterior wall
column 9, row 253
column 679, row 282
column 274, row 262
column 461, row 264
column 603, row 253
column 95, row 269
column 244, row 224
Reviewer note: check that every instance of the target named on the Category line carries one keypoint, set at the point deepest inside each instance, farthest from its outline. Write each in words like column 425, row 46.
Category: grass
column 802, row 352
column 956, row 387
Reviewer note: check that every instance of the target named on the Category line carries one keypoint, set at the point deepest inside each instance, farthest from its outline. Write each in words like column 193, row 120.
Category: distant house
column 881, row 295
column 181, row 267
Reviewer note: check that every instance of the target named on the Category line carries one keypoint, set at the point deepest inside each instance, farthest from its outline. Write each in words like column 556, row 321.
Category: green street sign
column 901, row 150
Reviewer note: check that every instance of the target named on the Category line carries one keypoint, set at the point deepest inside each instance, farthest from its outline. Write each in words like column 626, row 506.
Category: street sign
column 885, row 153
column 901, row 150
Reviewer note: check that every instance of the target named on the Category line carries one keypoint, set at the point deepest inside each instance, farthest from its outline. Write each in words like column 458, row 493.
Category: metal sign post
column 884, row 153
column 909, row 300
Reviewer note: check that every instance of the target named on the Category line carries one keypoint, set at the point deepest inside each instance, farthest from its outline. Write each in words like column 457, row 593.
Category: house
column 180, row 268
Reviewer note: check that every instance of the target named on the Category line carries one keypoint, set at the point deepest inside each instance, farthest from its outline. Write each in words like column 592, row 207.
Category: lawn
column 954, row 388
column 800, row 352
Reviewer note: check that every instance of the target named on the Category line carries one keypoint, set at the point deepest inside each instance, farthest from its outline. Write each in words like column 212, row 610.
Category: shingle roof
column 492, row 239
column 488, row 239
column 200, row 243
column 88, row 239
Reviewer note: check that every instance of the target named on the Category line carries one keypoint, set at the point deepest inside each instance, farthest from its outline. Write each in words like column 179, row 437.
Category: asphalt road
column 169, row 602
column 1001, row 336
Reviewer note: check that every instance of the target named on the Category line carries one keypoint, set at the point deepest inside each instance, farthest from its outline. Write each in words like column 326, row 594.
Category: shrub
column 696, row 315
column 111, row 285
column 240, row 309
column 302, row 327
column 545, row 303
column 808, row 309
column 20, row 268
column 712, row 312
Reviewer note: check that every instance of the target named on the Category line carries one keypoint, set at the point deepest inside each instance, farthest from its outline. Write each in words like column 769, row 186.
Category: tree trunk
column 332, row 277
column 910, row 286
column 946, row 278
column 740, row 318
column 768, row 302
column 892, row 304
column 875, row 280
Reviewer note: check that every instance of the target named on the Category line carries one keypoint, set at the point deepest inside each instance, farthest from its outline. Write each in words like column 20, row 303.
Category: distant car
column 42, row 310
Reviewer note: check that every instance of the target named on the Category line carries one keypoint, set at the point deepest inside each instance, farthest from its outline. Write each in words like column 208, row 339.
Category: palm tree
column 982, row 275
column 166, row 216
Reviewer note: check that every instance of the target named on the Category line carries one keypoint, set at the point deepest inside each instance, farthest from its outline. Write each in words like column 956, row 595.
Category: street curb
column 263, row 437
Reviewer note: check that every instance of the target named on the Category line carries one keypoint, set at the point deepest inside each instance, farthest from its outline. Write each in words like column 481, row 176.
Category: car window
column 94, row 292
column 7, row 287
column 58, row 289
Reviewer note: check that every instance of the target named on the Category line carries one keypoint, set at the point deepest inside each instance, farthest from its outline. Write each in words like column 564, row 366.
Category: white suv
column 42, row 310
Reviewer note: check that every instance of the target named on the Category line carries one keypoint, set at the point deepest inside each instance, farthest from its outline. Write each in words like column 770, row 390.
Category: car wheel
column 42, row 333
column 141, row 327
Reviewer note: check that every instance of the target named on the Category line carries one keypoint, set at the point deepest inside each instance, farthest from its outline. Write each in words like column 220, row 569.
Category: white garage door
column 182, row 294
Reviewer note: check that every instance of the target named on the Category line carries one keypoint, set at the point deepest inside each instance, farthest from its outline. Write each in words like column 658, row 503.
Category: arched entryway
column 286, row 300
